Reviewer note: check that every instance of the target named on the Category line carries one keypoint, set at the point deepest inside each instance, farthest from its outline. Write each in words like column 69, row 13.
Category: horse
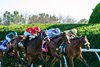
column 53, row 45
column 4, row 52
column 33, row 48
column 13, row 48
column 75, row 49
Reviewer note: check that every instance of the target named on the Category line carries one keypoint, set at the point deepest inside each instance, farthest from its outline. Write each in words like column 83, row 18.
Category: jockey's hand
column 57, row 49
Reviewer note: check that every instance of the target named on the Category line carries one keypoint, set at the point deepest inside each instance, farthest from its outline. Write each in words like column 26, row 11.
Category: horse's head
column 65, row 38
column 85, row 41
column 44, row 36
column 20, row 37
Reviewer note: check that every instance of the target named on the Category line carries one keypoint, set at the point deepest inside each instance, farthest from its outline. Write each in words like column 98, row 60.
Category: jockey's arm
column 33, row 35
column 55, row 33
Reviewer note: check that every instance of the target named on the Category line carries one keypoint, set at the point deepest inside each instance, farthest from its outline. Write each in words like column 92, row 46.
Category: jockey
column 32, row 31
column 72, row 33
column 7, row 39
column 53, row 32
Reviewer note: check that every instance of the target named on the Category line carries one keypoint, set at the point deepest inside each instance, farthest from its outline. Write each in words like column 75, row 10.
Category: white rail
column 93, row 50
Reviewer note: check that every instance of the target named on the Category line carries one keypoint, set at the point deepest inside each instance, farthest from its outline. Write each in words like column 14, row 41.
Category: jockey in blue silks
column 53, row 32
column 7, row 39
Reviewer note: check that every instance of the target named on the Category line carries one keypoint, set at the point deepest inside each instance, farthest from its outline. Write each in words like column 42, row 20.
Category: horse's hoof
column 66, row 65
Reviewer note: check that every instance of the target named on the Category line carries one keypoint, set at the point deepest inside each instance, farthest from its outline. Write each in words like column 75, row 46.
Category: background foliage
column 95, row 16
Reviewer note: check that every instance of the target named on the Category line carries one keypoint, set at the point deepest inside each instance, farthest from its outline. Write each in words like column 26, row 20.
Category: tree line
column 9, row 18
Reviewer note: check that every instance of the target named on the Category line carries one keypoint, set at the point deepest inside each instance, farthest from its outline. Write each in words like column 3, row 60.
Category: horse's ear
column 22, row 36
column 80, row 36
column 61, row 33
column 41, row 30
column 84, row 36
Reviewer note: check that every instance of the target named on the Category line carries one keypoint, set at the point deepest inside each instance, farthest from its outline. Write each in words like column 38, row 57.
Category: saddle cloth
column 44, row 46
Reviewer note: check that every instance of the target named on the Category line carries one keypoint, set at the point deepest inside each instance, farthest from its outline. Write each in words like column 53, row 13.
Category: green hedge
column 92, row 31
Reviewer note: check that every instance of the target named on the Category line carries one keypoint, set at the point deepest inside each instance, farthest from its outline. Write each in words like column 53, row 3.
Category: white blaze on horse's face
column 87, row 44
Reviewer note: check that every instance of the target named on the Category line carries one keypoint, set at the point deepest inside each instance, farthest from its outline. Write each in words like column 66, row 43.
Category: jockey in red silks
column 32, row 31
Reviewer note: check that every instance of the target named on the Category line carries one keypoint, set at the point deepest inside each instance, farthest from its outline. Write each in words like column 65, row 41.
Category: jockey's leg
column 2, row 46
column 8, row 39
column 20, row 44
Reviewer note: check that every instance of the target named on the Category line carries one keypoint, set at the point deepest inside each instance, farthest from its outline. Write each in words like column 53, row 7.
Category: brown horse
column 75, row 49
column 54, row 44
column 33, row 48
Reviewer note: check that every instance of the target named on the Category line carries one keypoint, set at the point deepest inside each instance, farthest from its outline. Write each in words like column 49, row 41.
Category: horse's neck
column 58, row 41
column 76, row 43
column 39, row 40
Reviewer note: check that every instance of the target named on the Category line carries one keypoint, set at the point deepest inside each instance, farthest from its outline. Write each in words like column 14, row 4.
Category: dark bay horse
column 54, row 44
column 9, row 50
column 33, row 47
column 75, row 49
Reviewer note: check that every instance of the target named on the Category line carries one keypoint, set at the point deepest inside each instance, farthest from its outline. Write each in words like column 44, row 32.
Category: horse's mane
column 54, row 37
column 13, row 39
column 57, row 36
column 75, row 38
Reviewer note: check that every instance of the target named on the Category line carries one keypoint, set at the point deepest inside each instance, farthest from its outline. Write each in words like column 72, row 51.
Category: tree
column 0, row 20
column 69, row 20
column 95, row 16
column 83, row 21
column 6, row 18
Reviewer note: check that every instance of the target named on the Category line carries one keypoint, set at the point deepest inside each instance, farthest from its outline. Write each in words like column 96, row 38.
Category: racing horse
column 53, row 45
column 33, row 47
column 75, row 49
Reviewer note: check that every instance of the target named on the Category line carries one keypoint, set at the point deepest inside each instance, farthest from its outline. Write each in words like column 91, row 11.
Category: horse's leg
column 65, row 61
column 82, row 59
column 29, row 60
column 54, row 61
column 1, row 60
column 71, row 61
column 41, row 59
column 57, row 56
column 47, row 58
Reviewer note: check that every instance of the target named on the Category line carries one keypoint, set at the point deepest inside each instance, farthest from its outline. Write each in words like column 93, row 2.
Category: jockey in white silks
column 32, row 31
column 72, row 33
